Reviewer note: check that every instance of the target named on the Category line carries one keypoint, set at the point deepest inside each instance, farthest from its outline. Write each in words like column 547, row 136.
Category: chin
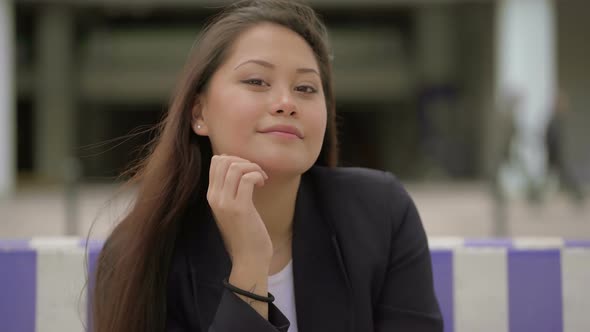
column 279, row 160
column 285, row 166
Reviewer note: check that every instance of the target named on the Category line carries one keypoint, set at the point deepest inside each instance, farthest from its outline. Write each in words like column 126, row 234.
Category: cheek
column 318, row 122
column 233, row 107
column 232, row 120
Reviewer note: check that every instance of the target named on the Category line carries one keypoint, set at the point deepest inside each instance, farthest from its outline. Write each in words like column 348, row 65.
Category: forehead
column 274, row 43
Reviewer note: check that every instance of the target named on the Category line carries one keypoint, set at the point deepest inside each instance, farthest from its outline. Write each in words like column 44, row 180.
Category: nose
column 285, row 105
column 282, row 111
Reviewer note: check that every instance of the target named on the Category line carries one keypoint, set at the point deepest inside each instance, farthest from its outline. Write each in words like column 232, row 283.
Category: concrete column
column 54, row 102
column 7, row 99
column 526, row 76
column 435, row 43
column 435, row 59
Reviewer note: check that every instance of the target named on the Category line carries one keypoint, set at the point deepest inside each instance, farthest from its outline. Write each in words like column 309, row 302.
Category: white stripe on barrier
column 575, row 275
column 447, row 242
column 480, row 290
column 61, row 276
column 538, row 242
column 55, row 242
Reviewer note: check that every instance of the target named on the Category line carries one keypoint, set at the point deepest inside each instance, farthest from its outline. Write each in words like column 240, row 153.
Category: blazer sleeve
column 233, row 314
column 407, row 301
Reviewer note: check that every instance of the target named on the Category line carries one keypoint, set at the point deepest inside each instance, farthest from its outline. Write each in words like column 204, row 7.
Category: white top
column 281, row 286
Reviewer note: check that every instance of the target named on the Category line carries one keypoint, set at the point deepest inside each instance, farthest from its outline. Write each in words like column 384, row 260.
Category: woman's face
column 265, row 103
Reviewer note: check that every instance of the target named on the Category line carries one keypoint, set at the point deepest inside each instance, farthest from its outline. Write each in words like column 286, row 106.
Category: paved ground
column 447, row 209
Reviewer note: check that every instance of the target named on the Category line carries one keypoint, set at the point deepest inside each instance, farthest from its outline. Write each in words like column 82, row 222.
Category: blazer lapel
column 323, row 295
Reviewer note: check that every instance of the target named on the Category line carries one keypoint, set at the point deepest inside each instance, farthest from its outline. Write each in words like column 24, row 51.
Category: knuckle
column 250, row 177
column 234, row 167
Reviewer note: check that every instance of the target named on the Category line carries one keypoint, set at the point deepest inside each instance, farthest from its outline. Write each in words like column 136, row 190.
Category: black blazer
column 360, row 263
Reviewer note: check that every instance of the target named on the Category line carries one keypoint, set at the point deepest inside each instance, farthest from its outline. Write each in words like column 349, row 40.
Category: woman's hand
column 231, row 185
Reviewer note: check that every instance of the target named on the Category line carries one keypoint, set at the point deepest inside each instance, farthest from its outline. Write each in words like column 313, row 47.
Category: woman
column 240, row 200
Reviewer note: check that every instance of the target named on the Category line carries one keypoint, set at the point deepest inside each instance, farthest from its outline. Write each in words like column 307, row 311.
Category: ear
column 197, row 120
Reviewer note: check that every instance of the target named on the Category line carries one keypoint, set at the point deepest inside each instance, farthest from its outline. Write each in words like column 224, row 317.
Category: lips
column 285, row 129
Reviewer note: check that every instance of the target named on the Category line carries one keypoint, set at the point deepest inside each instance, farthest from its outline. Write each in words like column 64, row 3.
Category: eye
column 256, row 81
column 306, row 89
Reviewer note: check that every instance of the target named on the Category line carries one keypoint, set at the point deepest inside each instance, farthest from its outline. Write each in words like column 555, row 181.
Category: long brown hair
column 129, row 293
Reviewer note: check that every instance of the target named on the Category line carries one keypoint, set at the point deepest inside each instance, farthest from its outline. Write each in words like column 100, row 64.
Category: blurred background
column 481, row 107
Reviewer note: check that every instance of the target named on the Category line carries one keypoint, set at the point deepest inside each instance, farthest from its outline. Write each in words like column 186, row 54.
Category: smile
column 285, row 131
column 282, row 134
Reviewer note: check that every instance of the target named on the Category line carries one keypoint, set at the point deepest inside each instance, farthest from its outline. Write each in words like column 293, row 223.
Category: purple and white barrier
column 499, row 285
column 41, row 281
column 515, row 285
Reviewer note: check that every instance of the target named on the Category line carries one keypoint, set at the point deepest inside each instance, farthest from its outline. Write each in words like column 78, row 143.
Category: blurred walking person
column 556, row 161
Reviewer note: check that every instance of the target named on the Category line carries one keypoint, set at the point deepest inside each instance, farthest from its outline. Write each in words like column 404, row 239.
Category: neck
column 275, row 202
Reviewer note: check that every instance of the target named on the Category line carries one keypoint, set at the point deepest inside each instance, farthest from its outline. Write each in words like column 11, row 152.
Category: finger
column 212, row 175
column 234, row 176
column 221, row 167
column 246, row 186
column 231, row 159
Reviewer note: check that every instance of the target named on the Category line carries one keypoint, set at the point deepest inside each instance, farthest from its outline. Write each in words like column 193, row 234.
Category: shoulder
column 362, row 185
column 360, row 200
column 366, row 209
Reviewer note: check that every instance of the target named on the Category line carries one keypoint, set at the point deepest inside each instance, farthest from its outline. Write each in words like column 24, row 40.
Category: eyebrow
column 271, row 66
